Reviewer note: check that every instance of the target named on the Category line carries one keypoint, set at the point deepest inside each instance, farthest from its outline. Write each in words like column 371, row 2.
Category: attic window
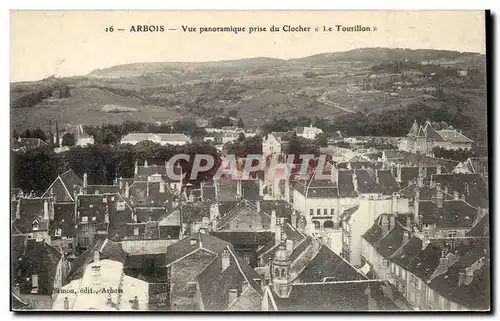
column 35, row 226
column 104, row 200
column 85, row 219
column 91, row 206
column 58, row 232
column 112, row 198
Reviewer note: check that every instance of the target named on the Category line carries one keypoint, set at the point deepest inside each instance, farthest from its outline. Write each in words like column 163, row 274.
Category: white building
column 82, row 138
column 103, row 287
column 308, row 132
column 163, row 139
column 275, row 143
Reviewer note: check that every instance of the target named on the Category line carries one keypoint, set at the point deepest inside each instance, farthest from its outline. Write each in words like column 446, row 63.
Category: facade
column 162, row 139
column 422, row 139
column 275, row 143
column 308, row 132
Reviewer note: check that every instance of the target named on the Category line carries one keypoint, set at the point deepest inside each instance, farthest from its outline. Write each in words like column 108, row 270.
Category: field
column 259, row 89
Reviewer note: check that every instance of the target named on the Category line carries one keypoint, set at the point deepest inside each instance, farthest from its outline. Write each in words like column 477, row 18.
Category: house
column 422, row 139
column 38, row 271
column 308, row 132
column 24, row 144
column 65, row 187
column 474, row 165
column 159, row 138
column 103, row 287
column 228, row 283
column 33, row 216
column 62, row 230
column 82, row 138
column 331, row 294
column 186, row 259
column 275, row 143
column 412, row 264
column 356, row 221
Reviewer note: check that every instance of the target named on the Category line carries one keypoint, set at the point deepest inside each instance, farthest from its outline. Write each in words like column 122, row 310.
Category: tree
column 219, row 122
column 68, row 139
column 15, row 135
column 240, row 123
column 110, row 138
column 38, row 133
column 321, row 140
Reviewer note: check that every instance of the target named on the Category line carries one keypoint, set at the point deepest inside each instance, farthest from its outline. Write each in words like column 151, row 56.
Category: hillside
column 367, row 81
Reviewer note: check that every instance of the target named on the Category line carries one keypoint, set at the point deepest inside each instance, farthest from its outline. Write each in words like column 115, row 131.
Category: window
column 84, row 228
column 332, row 211
column 120, row 206
column 58, row 232
column 34, row 283
column 311, row 212
column 191, row 289
column 325, row 211
column 35, row 226
column 318, row 211
column 85, row 219
column 104, row 200
column 93, row 218
column 136, row 231
column 112, row 198
column 452, row 233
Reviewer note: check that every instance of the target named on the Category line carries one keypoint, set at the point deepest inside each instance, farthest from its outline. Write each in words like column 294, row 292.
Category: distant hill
column 326, row 85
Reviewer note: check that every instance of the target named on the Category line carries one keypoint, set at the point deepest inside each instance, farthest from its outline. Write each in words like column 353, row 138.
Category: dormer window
column 85, row 219
column 34, row 283
column 58, row 232
column 35, row 225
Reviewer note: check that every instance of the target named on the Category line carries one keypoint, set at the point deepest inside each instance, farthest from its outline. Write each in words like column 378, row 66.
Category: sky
column 69, row 43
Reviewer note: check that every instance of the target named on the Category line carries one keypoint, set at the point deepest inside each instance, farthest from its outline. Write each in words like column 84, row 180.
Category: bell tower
column 281, row 272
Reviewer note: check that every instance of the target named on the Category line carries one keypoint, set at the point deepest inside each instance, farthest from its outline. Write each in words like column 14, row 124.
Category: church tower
column 281, row 272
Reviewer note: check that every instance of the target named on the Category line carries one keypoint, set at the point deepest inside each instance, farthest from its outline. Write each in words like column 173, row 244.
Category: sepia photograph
column 249, row 161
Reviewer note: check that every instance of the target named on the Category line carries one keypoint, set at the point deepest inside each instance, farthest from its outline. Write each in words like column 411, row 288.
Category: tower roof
column 414, row 129
column 281, row 254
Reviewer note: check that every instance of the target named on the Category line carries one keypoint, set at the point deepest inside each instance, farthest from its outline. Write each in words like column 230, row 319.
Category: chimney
column 406, row 237
column 443, row 260
column 147, row 188
column 439, row 196
column 135, row 304
column 469, row 276
column 445, row 189
column 355, row 181
column 238, row 187
column 136, row 168
column 18, row 209
column 316, row 244
column 66, row 303
column 287, row 190
column 257, row 204
column 394, row 203
column 392, row 221
column 203, row 230
column 294, row 218
column 96, row 256
column 408, row 222
column 233, row 295
column 85, row 183
column 146, row 163
column 455, row 195
column 273, row 221
column 127, row 190
column 261, row 188
column 461, row 278
column 277, row 233
column 225, row 260
column 438, row 169
column 46, row 209
column 162, row 187
column 376, row 177
column 289, row 247
column 193, row 241
column 385, row 224
column 216, row 189
column 120, row 182
column 398, row 172
column 462, row 197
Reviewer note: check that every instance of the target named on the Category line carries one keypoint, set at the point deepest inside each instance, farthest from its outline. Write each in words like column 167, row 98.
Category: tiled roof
column 41, row 259
column 144, row 193
column 184, row 247
column 342, row 296
column 64, row 219
column 245, row 238
column 471, row 185
column 107, row 250
column 481, row 228
column 31, row 210
column 405, row 254
column 387, row 182
column 367, row 182
column 145, row 214
column 453, row 136
column 103, row 189
column 453, row 214
column 345, row 184
column 242, row 210
column 216, row 283
column 327, row 264
column 411, row 159
column 478, row 165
